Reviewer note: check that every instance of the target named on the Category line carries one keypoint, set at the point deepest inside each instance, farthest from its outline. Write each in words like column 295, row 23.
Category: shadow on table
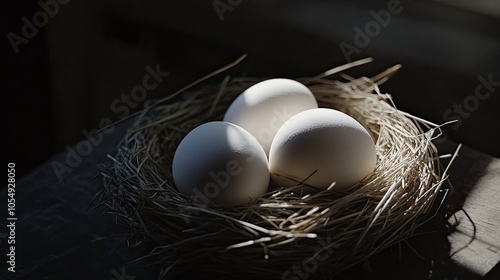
column 58, row 238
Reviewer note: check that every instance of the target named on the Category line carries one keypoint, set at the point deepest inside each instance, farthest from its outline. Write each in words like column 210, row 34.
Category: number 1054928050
column 11, row 189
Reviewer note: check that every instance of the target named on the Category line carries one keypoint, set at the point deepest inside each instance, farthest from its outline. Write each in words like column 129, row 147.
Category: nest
column 321, row 233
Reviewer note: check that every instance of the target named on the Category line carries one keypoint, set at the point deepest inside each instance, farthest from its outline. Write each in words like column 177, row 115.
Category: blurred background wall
column 80, row 70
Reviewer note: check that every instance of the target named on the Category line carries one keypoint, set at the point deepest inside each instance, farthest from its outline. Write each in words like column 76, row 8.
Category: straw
column 283, row 228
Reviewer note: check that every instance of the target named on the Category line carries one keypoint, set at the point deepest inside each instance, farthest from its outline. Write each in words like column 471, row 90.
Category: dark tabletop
column 59, row 237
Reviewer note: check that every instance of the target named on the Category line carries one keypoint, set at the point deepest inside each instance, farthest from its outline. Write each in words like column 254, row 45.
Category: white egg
column 221, row 162
column 264, row 107
column 319, row 147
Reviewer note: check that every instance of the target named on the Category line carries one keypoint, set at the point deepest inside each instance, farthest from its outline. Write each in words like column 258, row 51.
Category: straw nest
column 322, row 233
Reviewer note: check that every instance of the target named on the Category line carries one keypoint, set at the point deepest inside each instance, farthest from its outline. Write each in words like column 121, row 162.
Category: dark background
column 65, row 78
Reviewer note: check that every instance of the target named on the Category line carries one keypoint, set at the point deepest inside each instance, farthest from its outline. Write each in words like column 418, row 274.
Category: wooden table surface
column 475, row 243
column 58, row 237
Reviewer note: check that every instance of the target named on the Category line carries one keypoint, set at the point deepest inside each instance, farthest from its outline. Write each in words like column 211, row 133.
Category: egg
column 264, row 107
column 220, row 162
column 319, row 147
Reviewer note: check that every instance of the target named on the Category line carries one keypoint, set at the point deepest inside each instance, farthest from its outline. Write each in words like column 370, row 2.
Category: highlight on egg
column 221, row 162
column 319, row 147
column 264, row 107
